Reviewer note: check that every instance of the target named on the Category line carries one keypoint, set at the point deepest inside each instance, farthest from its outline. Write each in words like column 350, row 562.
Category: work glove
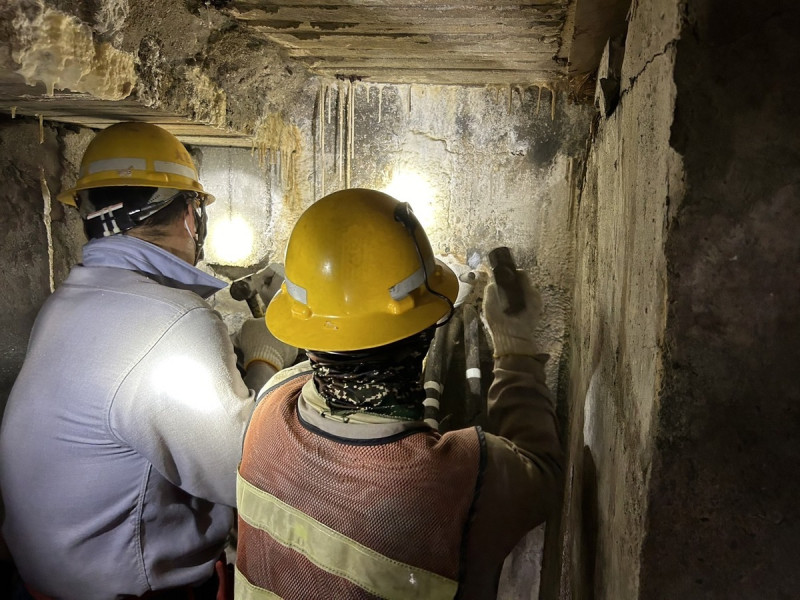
column 257, row 343
column 512, row 334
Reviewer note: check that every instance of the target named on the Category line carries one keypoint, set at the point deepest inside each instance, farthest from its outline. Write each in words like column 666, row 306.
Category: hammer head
column 509, row 288
column 242, row 289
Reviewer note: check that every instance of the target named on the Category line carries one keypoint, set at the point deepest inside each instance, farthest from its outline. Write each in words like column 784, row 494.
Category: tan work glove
column 257, row 343
column 512, row 334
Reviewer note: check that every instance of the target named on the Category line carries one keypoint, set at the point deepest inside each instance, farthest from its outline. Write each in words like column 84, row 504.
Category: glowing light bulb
column 231, row 240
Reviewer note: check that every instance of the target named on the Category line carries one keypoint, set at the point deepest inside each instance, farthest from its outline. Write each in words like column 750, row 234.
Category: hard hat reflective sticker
column 116, row 164
column 295, row 291
column 403, row 288
column 163, row 166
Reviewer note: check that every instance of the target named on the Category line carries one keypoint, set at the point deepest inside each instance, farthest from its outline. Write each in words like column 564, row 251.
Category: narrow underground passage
column 662, row 255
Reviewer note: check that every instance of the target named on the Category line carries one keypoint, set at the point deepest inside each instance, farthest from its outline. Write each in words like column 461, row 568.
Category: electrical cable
column 405, row 216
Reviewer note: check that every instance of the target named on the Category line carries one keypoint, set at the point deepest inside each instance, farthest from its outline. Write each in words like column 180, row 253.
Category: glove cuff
column 507, row 343
column 264, row 353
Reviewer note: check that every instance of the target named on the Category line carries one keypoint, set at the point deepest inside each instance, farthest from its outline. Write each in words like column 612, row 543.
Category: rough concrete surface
column 724, row 517
column 497, row 165
column 26, row 166
column 618, row 326
column 653, row 27
column 66, row 225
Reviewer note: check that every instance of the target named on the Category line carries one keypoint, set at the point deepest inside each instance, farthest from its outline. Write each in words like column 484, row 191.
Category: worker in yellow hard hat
column 344, row 490
column 123, row 430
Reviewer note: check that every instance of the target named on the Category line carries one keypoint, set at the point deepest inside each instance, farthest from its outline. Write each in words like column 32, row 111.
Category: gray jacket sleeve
column 522, row 479
column 185, row 408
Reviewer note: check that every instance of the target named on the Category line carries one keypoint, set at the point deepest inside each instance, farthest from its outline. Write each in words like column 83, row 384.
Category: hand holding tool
column 511, row 309
column 243, row 289
column 509, row 288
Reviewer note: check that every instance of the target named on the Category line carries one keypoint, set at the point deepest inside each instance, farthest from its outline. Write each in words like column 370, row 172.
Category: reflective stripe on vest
column 335, row 553
column 247, row 591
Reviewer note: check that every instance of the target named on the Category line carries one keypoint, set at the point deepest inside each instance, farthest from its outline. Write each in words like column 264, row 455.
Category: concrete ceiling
column 550, row 43
column 475, row 42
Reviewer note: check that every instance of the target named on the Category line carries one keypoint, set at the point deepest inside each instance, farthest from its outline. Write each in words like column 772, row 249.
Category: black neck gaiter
column 385, row 380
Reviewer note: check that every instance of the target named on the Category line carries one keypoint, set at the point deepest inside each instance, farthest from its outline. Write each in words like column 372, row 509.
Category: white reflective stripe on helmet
column 402, row 289
column 398, row 291
column 174, row 168
column 115, row 164
column 139, row 164
column 295, row 291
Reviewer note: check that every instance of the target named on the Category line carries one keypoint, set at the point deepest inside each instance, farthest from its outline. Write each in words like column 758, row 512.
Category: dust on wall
column 619, row 318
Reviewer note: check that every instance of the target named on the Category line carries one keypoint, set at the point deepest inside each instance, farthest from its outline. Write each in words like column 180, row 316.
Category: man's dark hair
column 174, row 211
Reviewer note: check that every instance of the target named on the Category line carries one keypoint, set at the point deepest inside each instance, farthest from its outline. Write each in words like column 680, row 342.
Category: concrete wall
column 724, row 520
column 619, row 316
column 26, row 269
column 39, row 239
column 497, row 165
column 683, row 404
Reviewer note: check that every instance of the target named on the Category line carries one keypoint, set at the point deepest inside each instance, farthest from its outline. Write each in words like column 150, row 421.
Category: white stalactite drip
column 539, row 100
column 569, row 174
column 283, row 169
column 41, row 129
column 409, row 99
column 290, row 170
column 351, row 101
column 340, row 129
column 510, row 97
column 270, row 161
column 571, row 193
column 323, row 95
column 380, row 101
column 328, row 104
column 48, row 226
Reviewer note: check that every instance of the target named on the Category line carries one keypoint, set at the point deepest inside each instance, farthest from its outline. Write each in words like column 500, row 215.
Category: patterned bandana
column 385, row 380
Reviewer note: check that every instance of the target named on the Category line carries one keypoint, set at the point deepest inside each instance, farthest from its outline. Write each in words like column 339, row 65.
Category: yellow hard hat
column 135, row 154
column 356, row 269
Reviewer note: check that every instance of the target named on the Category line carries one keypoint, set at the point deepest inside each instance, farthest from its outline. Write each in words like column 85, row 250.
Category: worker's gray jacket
column 120, row 441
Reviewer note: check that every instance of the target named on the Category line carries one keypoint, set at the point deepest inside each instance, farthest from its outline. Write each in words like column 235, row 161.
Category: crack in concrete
column 671, row 45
